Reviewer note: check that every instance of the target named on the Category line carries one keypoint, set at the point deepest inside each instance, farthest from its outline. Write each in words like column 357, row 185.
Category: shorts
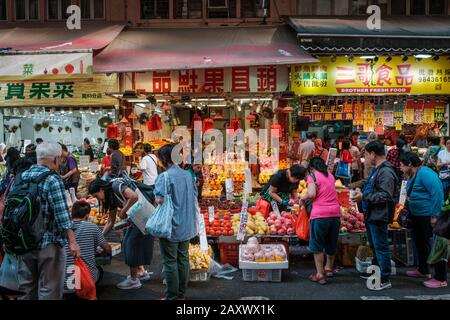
column 324, row 233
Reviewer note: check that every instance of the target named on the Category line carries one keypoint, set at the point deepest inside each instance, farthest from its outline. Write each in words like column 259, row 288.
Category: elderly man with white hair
column 41, row 271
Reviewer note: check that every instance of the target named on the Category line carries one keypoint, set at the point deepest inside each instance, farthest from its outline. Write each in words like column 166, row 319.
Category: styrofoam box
column 116, row 248
column 361, row 266
column 262, row 265
column 273, row 275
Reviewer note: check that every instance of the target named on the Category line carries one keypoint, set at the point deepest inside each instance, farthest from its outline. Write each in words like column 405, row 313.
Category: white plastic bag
column 220, row 271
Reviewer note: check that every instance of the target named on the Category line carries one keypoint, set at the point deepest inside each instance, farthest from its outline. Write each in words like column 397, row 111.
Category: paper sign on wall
column 243, row 222
column 202, row 233
column 403, row 193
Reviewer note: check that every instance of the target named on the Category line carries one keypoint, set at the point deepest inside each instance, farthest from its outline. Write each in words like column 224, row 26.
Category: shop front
column 385, row 94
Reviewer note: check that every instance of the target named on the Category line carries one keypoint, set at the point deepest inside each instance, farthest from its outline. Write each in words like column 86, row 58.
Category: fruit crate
column 199, row 275
column 263, row 275
column 229, row 253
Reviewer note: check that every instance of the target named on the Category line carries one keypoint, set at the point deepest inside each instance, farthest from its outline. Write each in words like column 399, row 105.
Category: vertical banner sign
column 331, row 158
column 388, row 118
column 398, row 116
column 369, row 117
column 275, row 208
column 243, row 222
column 409, row 115
column 211, row 213
column 358, row 115
column 379, row 117
column 403, row 193
column 439, row 113
column 418, row 114
column 428, row 115
column 202, row 233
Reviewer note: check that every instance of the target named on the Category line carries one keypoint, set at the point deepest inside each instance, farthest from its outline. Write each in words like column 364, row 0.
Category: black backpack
column 23, row 225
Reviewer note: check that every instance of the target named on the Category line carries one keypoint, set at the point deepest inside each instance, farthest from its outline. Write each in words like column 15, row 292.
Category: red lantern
column 112, row 131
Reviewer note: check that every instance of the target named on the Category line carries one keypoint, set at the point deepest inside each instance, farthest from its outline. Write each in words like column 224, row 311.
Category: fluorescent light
column 206, row 100
column 367, row 57
column 140, row 105
column 423, row 56
column 137, row 100
column 161, row 100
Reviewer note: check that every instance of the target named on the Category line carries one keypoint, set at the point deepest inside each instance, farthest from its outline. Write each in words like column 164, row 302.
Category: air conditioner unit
column 217, row 4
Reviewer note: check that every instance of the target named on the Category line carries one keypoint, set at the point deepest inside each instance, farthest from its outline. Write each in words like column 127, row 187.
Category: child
column 88, row 236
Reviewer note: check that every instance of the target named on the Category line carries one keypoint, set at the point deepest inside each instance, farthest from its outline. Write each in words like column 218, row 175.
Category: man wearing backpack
column 38, row 236
column 378, row 202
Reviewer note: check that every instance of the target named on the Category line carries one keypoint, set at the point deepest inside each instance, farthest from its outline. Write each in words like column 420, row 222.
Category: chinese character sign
column 59, row 92
column 365, row 77
column 215, row 80
column 42, row 66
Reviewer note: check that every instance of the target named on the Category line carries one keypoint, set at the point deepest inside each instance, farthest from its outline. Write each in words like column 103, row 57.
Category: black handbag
column 404, row 217
column 442, row 226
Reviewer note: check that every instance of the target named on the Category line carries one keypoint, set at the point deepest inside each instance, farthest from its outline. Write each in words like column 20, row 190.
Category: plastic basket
column 361, row 266
column 272, row 275
column 229, row 253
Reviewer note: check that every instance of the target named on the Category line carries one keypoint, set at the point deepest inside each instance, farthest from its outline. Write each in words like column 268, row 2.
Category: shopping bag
column 263, row 206
column 442, row 226
column 141, row 211
column 160, row 223
column 9, row 271
column 343, row 170
column 87, row 288
column 302, row 225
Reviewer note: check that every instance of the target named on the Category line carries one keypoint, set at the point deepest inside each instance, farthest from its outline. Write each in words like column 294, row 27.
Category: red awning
column 174, row 49
column 59, row 38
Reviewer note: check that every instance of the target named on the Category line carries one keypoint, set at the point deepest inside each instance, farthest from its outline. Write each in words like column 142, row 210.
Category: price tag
column 202, row 233
column 403, row 193
column 248, row 182
column 211, row 214
column 275, row 208
column 243, row 223
column 229, row 185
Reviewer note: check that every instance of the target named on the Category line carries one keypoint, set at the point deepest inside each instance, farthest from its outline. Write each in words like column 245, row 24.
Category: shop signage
column 325, row 112
column 257, row 79
column 34, row 67
column 50, row 92
column 365, row 78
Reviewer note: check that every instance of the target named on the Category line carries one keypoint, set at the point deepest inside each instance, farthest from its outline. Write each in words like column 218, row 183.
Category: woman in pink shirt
column 325, row 218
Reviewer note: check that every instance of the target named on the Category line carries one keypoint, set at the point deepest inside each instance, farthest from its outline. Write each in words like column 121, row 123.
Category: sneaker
column 383, row 285
column 145, row 276
column 417, row 274
column 128, row 283
column 434, row 284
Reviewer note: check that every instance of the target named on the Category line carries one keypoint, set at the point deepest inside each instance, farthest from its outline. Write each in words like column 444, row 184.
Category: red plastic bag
column 302, row 225
column 87, row 288
column 112, row 131
column 263, row 206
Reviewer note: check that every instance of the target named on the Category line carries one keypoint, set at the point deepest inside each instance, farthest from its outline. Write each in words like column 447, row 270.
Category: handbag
column 9, row 275
column 309, row 203
column 160, row 223
column 442, row 226
column 343, row 170
column 404, row 218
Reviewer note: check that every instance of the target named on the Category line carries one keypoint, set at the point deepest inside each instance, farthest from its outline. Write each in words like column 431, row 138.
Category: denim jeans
column 378, row 239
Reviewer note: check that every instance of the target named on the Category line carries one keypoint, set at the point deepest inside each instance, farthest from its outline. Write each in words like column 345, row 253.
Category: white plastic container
column 361, row 266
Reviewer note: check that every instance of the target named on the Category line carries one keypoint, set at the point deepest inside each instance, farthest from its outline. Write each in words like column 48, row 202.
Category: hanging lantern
column 218, row 116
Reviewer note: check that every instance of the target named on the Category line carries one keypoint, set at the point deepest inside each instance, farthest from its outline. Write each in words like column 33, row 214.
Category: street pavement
column 346, row 285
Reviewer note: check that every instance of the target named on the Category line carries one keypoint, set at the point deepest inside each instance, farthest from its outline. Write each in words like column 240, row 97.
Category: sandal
column 318, row 279
column 329, row 273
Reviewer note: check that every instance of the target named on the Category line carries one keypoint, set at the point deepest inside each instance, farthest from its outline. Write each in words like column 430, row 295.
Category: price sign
column 275, row 208
column 243, row 223
column 248, row 182
column 403, row 193
column 229, row 185
column 331, row 158
column 202, row 233
column 211, row 214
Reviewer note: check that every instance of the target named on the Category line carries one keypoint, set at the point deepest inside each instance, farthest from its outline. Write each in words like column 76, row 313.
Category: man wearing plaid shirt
column 41, row 272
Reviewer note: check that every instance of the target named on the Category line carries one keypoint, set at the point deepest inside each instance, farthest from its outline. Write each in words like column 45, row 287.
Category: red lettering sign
column 187, row 81
column 161, row 81
column 213, row 80
column 345, row 75
column 240, row 79
column 267, row 79
column 384, row 75
column 363, row 73
column 405, row 77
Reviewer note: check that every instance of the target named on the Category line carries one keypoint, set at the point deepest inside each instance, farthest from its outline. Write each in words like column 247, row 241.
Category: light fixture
column 436, row 58
column 395, row 101
column 350, row 58
column 367, row 57
column 423, row 56
column 416, row 100
column 428, row 100
column 405, row 58
column 333, row 58
column 140, row 105
column 138, row 100
column 239, row 108
column 388, row 59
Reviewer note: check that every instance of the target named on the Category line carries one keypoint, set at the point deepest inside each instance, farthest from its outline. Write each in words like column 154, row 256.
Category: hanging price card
column 202, row 233
column 403, row 193
column 243, row 223
column 388, row 118
column 211, row 214
column 428, row 115
column 418, row 115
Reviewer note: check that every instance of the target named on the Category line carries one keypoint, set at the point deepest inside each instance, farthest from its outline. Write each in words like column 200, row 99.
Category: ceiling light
column 423, row 56
column 405, row 58
column 333, row 58
column 436, row 58
column 388, row 59
column 367, row 57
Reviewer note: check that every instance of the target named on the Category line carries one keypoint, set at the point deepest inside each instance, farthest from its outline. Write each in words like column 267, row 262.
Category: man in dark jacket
column 378, row 203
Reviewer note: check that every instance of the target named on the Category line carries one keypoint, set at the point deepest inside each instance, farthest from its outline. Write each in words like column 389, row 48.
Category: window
column 417, row 7
column 184, row 9
column 3, row 10
column 56, row 9
column 305, row 7
column 398, row 7
column 323, row 7
column 254, row 8
column 27, row 9
column 155, row 9
column 92, row 9
column 437, row 7
column 341, row 7
column 222, row 8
